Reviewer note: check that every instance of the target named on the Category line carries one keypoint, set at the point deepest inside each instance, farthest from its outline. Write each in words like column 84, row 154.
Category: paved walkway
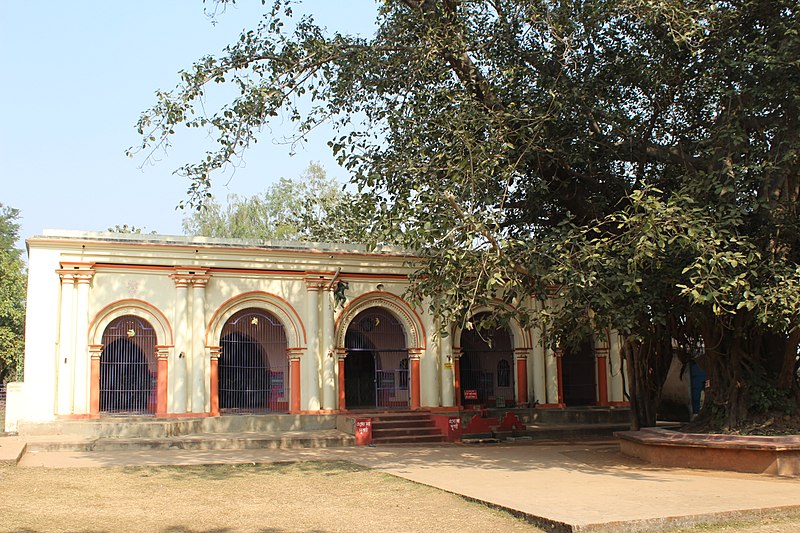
column 586, row 486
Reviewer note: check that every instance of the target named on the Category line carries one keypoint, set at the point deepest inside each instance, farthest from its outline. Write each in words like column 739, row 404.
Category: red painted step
column 404, row 427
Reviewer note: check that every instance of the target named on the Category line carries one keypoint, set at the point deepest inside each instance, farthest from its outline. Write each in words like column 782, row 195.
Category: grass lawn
column 307, row 496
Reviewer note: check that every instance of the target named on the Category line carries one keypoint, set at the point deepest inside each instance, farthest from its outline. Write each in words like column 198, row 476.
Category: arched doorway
column 578, row 374
column 376, row 366
column 253, row 364
column 128, row 367
column 486, row 366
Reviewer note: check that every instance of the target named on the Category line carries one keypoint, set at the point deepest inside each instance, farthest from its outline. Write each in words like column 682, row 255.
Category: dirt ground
column 319, row 497
column 275, row 498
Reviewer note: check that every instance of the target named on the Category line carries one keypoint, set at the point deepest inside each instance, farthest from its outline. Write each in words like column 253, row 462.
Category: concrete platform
column 778, row 455
column 567, row 486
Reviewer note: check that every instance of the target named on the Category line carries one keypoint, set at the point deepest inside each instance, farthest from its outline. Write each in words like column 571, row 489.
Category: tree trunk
column 648, row 363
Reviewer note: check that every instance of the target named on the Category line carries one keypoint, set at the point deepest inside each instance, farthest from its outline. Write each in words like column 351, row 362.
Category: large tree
column 636, row 160
column 12, row 297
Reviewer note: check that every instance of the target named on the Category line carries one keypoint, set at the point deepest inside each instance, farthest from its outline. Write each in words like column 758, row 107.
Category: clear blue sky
column 75, row 77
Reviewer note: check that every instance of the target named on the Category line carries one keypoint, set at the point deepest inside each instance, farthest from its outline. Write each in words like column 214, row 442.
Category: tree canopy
column 636, row 160
column 12, row 297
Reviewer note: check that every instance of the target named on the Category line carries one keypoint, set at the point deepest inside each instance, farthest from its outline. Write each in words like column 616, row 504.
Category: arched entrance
column 128, row 367
column 253, row 364
column 578, row 374
column 486, row 367
column 376, row 366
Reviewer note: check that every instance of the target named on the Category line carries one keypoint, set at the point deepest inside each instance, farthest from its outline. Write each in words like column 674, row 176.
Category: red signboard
column 471, row 394
column 455, row 423
column 363, row 431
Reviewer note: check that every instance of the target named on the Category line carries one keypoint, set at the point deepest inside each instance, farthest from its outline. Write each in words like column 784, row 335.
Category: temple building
column 149, row 325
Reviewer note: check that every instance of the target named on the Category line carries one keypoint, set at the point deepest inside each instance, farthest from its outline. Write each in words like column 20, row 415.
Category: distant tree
column 12, row 297
column 311, row 208
column 124, row 228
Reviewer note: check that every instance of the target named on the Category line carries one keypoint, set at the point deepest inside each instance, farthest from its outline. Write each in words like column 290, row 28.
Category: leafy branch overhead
column 636, row 159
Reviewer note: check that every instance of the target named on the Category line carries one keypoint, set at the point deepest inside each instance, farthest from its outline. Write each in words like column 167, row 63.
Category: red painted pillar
column 559, row 367
column 415, row 390
column 602, row 379
column 294, row 376
column 216, row 351
column 457, row 375
column 95, row 350
column 341, row 358
column 522, row 379
column 162, row 357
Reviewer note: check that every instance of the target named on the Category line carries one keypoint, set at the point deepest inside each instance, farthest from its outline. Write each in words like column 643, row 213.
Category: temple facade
column 149, row 325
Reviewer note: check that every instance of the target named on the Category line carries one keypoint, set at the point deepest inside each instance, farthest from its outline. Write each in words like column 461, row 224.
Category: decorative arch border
column 283, row 310
column 132, row 307
column 412, row 324
column 521, row 339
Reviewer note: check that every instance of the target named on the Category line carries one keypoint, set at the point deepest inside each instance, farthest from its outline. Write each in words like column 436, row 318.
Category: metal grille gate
column 376, row 368
column 253, row 366
column 128, row 367
column 486, row 366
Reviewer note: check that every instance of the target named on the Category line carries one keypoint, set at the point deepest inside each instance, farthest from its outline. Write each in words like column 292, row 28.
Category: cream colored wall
column 132, row 268
column 41, row 339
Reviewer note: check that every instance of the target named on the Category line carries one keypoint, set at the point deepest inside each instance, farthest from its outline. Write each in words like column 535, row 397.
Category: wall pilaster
column 178, row 366
column 200, row 358
column 190, row 370
column 537, row 369
column 310, row 365
column 457, row 353
column 66, row 361
column 521, row 358
column 616, row 367
column 413, row 364
column 447, row 375
column 95, row 352
column 328, row 356
column 295, row 387
column 82, row 368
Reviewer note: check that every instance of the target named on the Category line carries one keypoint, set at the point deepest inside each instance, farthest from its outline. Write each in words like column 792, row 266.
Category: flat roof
column 184, row 240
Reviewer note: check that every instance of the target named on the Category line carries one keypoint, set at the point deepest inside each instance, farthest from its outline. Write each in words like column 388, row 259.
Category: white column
column 616, row 368
column 538, row 369
column 65, row 362
column 309, row 365
column 82, row 375
column 177, row 399
column 447, row 382
column 551, row 376
column 328, row 357
column 199, row 360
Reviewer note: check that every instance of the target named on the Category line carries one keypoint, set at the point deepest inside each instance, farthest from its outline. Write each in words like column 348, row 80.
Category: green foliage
column 12, row 297
column 765, row 397
column 312, row 208
column 637, row 159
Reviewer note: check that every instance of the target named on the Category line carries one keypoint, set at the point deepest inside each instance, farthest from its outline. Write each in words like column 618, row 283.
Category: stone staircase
column 219, row 433
column 404, row 427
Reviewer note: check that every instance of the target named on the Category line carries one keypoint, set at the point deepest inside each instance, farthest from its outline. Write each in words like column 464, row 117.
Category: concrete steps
column 201, row 433
column 404, row 427
column 201, row 441
column 144, row 427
